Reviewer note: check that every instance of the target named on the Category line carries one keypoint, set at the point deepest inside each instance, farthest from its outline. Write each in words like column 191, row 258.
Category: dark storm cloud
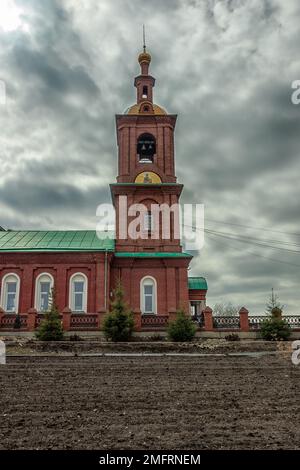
column 60, row 78
column 26, row 197
column 225, row 67
column 283, row 210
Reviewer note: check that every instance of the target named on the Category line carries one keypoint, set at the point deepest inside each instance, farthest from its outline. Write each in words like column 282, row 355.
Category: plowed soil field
column 150, row 403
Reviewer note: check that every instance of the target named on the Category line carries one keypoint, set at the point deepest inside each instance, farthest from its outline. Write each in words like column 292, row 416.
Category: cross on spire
column 144, row 38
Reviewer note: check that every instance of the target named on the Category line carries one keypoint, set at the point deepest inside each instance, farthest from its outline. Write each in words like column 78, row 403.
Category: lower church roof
column 55, row 241
column 70, row 241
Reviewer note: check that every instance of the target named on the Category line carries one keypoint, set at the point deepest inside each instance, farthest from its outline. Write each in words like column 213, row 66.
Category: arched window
column 43, row 287
column 78, row 293
column 146, row 148
column 148, row 295
column 145, row 92
column 10, row 293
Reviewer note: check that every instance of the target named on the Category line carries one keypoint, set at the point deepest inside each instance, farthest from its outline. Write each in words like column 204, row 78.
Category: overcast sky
column 225, row 67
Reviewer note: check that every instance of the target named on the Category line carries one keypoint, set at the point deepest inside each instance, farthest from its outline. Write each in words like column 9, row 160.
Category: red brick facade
column 171, row 279
column 170, row 275
column 61, row 266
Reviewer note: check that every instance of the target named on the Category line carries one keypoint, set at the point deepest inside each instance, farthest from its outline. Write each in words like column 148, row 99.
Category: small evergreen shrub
column 182, row 329
column 51, row 328
column 273, row 302
column 276, row 312
column 275, row 329
column 118, row 323
column 17, row 322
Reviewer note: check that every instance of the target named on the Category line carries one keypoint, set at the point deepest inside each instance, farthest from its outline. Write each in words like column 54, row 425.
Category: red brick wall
column 197, row 294
column 61, row 266
column 170, row 275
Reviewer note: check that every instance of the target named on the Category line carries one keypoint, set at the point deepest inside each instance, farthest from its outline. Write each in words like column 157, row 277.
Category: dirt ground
column 23, row 346
column 150, row 403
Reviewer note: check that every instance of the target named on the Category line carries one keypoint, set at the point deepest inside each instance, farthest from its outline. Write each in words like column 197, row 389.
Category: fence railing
column 226, row 322
column 83, row 321
column 242, row 322
column 293, row 320
column 92, row 321
column 32, row 320
column 154, row 321
column 8, row 321
column 256, row 321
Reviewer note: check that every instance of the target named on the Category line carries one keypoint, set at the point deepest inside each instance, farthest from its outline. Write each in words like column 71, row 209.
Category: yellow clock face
column 148, row 177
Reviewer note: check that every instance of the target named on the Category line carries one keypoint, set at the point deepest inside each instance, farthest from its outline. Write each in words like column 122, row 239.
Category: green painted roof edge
column 197, row 283
column 12, row 241
column 160, row 254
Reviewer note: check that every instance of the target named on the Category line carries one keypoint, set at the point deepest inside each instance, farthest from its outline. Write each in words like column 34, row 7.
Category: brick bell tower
column 146, row 167
column 153, row 268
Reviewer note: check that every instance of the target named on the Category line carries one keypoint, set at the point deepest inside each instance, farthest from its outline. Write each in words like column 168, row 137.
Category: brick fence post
column 137, row 320
column 208, row 319
column 101, row 315
column 31, row 319
column 2, row 313
column 66, row 314
column 244, row 320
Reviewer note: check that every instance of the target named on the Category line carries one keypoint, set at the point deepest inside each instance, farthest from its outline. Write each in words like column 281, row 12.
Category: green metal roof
column 196, row 283
column 55, row 241
column 156, row 254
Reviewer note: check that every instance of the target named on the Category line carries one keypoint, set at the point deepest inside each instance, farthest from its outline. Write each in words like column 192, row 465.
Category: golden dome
column 144, row 57
column 138, row 109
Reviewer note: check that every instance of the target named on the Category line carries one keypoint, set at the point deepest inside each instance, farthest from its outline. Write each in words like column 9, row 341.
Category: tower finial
column 144, row 38
column 144, row 57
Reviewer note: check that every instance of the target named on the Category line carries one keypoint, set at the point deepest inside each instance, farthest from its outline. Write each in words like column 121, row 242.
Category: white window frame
column 38, row 289
column 148, row 222
column 4, row 292
column 142, row 296
column 72, row 296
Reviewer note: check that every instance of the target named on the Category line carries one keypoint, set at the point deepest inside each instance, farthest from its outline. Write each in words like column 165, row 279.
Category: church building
column 84, row 266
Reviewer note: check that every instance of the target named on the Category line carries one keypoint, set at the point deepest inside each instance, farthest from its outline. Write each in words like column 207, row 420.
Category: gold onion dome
column 144, row 57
